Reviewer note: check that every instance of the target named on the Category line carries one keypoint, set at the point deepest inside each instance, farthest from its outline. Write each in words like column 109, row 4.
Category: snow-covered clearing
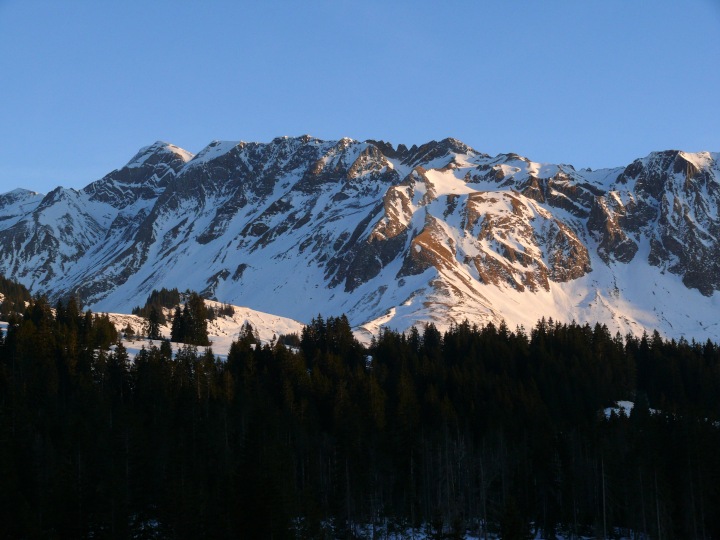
column 222, row 331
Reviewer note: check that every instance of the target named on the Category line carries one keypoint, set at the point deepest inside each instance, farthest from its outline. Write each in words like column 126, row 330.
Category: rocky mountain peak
column 144, row 177
column 386, row 234
column 17, row 196
column 446, row 149
column 157, row 153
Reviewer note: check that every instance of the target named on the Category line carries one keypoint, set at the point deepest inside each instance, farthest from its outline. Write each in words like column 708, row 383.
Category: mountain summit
column 388, row 235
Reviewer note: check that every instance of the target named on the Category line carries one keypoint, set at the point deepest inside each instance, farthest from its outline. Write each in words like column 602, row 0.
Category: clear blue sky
column 84, row 84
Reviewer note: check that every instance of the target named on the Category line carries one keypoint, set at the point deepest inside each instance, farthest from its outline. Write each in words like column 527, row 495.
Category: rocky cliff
column 388, row 235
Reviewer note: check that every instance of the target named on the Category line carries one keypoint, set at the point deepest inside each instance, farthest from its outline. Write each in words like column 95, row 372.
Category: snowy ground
column 424, row 532
column 624, row 408
column 222, row 331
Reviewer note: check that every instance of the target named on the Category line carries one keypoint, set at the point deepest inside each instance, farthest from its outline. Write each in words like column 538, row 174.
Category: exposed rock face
column 524, row 246
column 674, row 202
column 606, row 220
column 144, row 177
column 363, row 228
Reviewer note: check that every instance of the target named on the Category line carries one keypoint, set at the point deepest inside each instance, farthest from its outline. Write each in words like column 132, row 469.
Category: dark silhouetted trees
column 189, row 324
column 477, row 429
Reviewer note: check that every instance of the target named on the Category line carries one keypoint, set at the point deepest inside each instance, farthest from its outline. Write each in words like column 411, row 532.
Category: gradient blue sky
column 85, row 84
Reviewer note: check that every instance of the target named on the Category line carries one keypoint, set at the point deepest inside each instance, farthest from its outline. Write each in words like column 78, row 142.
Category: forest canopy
column 474, row 429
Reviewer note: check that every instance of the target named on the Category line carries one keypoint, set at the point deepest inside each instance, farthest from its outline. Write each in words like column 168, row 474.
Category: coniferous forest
column 475, row 430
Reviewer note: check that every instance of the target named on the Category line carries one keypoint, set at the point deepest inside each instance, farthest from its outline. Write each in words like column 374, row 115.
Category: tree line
column 477, row 429
column 14, row 296
column 189, row 320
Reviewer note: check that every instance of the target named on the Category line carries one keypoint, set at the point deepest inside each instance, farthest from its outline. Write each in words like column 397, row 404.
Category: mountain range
column 389, row 235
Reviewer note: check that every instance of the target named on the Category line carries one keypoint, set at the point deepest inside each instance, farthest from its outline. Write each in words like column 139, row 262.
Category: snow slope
column 222, row 331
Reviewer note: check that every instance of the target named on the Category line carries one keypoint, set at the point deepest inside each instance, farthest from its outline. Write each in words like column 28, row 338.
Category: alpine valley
column 390, row 236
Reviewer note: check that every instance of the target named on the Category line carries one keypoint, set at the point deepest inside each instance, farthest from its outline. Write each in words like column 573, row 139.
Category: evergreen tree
column 129, row 332
column 178, row 331
column 197, row 320
column 189, row 325
column 152, row 329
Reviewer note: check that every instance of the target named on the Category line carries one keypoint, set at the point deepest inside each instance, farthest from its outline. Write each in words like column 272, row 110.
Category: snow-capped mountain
column 387, row 235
